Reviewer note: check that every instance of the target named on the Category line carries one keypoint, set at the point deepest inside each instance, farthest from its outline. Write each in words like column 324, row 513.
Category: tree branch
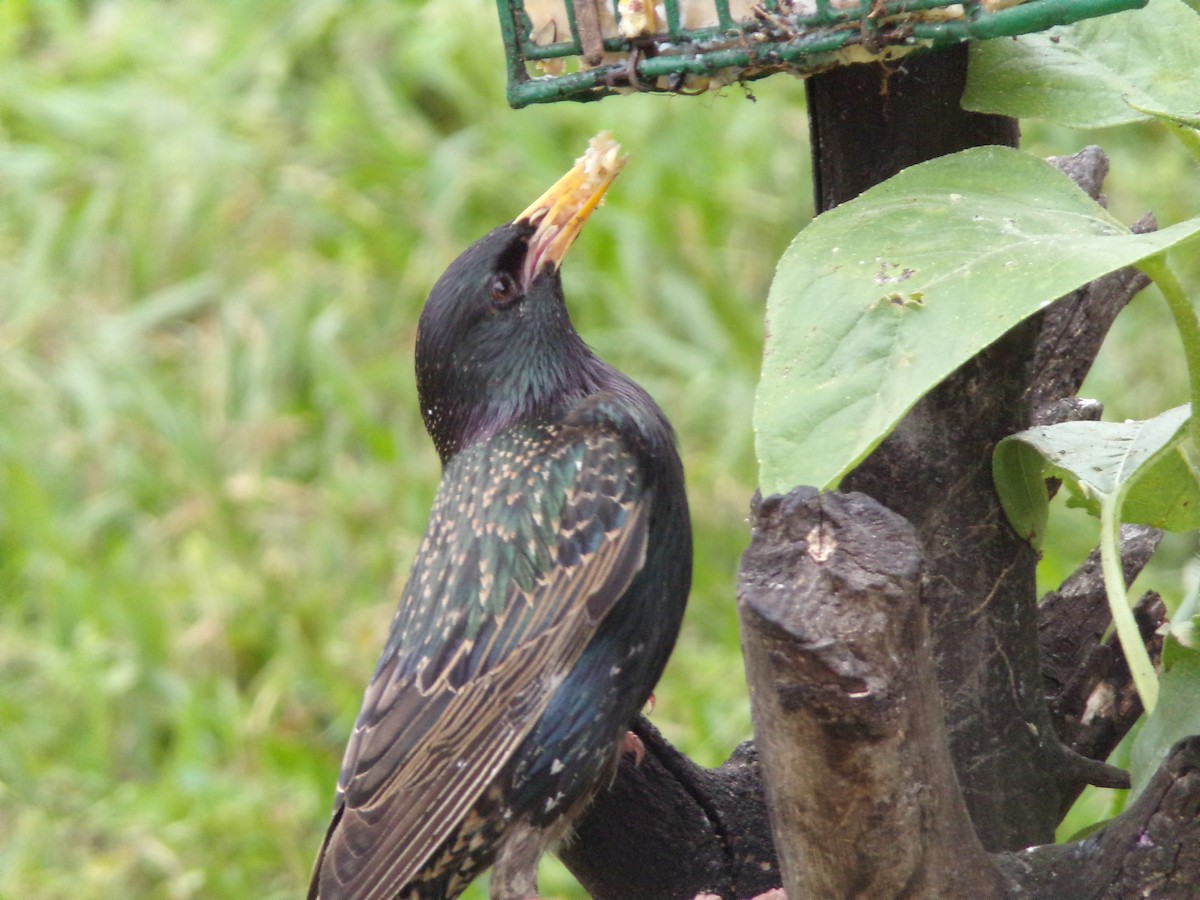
column 1075, row 326
column 1150, row 850
column 1088, row 686
column 669, row 829
column 846, row 709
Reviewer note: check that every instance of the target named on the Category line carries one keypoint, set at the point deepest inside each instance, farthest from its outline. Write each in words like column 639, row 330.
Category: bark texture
column 847, row 712
column 669, row 829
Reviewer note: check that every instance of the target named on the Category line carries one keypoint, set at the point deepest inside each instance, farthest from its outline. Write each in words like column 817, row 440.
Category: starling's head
column 495, row 344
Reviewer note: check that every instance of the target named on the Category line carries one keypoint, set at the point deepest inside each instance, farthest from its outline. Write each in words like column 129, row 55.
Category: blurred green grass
column 218, row 222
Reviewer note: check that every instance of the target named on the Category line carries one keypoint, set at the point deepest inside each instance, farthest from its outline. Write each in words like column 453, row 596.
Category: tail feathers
column 314, row 887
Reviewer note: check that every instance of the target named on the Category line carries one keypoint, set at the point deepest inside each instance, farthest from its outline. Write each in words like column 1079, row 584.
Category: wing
column 533, row 538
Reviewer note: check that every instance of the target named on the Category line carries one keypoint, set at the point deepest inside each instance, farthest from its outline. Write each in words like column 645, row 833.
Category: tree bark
column 868, row 122
column 1150, row 850
column 669, row 829
column 862, row 796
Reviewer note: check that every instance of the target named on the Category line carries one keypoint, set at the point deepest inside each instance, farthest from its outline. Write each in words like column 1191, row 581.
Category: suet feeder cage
column 588, row 49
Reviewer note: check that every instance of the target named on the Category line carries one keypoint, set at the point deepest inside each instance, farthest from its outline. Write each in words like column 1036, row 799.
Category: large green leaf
column 1146, row 466
column 1176, row 716
column 1088, row 74
column 1175, row 118
column 878, row 300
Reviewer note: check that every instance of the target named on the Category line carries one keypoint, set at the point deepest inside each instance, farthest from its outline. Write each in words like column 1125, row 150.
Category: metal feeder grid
column 776, row 39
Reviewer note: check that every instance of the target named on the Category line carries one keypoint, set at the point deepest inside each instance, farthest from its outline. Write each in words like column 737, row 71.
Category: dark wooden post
column 935, row 470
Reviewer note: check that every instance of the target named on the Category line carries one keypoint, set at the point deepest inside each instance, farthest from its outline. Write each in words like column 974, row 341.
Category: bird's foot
column 631, row 743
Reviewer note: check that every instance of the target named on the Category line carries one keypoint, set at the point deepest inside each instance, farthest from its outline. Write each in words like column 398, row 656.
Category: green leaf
column 878, row 300
column 1145, row 467
column 1122, row 471
column 1175, row 118
column 1182, row 638
column 1176, row 716
column 1167, row 492
column 1019, row 470
column 1088, row 74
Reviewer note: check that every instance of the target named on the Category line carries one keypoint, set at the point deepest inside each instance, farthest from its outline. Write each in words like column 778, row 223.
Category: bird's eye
column 504, row 290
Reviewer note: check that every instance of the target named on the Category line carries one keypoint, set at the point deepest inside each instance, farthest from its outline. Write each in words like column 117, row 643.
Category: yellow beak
column 559, row 214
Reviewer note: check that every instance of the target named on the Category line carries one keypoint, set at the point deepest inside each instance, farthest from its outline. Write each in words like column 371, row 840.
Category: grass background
column 218, row 222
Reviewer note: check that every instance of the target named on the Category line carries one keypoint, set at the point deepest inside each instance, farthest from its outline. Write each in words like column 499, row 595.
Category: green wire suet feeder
column 588, row 49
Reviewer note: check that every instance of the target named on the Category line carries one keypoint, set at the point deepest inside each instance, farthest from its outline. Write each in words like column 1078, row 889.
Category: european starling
column 545, row 597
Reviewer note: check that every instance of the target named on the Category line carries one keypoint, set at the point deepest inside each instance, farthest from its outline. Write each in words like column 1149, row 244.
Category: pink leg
column 631, row 743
